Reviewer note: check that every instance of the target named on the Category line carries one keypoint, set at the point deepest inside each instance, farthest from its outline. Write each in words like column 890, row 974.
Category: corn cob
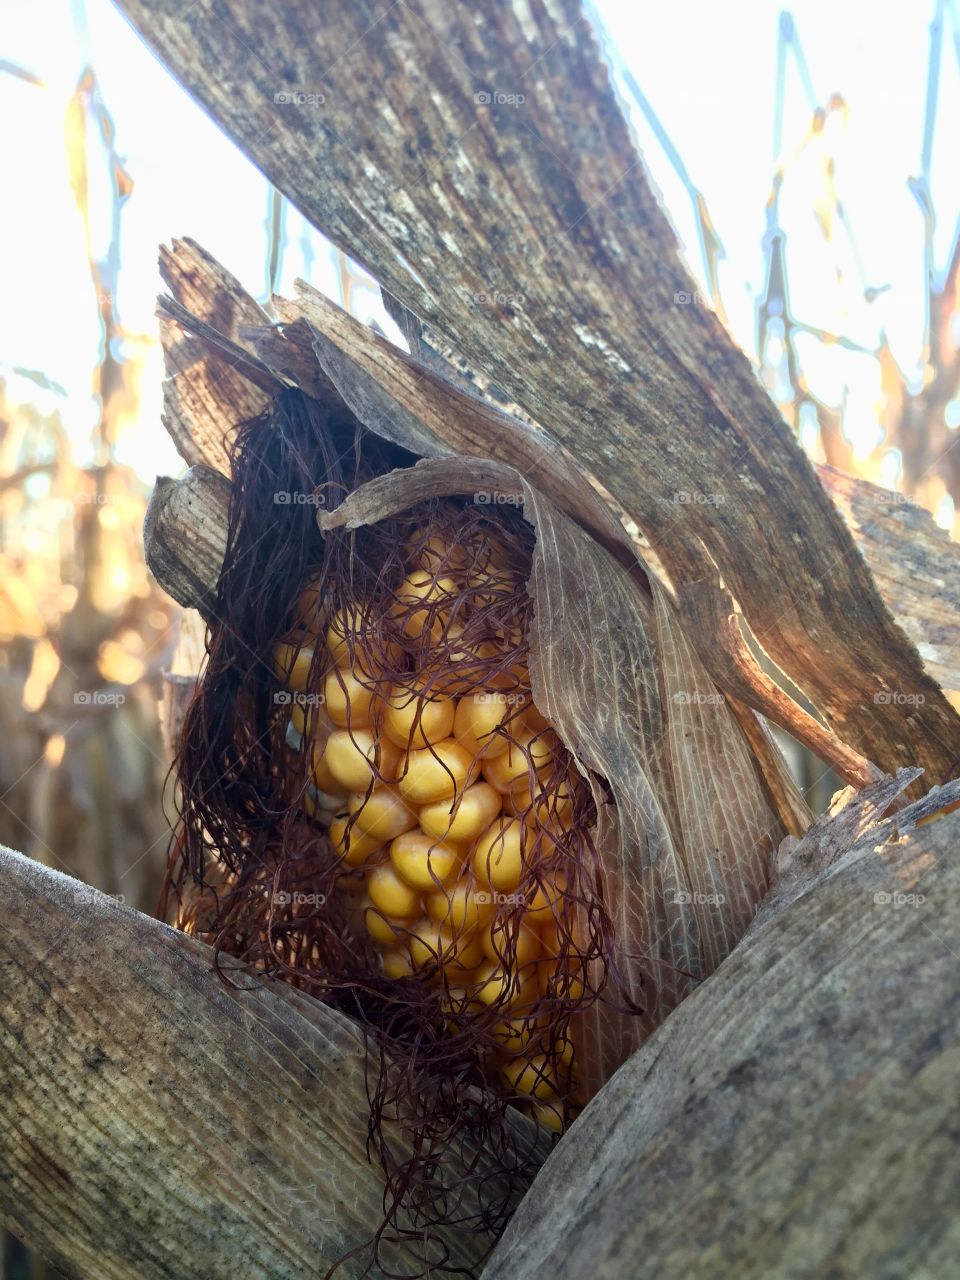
column 455, row 814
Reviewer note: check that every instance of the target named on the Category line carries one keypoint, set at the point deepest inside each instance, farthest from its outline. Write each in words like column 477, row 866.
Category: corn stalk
column 524, row 254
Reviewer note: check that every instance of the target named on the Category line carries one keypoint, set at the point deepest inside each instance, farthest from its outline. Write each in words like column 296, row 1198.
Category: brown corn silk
column 652, row 879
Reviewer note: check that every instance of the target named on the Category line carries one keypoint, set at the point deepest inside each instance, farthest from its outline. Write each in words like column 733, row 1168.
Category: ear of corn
column 458, row 805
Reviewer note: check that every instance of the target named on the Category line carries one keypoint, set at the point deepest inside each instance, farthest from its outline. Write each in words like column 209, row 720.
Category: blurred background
column 807, row 159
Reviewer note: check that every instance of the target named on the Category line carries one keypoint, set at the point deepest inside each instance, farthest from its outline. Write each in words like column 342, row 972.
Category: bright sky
column 709, row 77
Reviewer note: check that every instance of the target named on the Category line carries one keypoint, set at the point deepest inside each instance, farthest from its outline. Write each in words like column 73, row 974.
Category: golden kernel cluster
column 442, row 794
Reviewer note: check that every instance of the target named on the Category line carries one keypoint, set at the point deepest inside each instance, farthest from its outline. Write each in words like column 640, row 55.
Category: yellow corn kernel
column 309, row 721
column 477, row 808
column 478, row 715
column 322, row 777
column 543, row 908
column 551, row 938
column 460, row 663
column 531, row 1076
column 498, row 942
column 565, row 982
column 393, row 896
column 292, row 665
column 397, row 964
column 418, row 602
column 497, row 985
column 350, row 753
column 550, row 1117
column 430, row 943
column 498, row 858
column 401, row 711
column 379, row 927
column 511, row 767
column 462, row 954
column 563, row 1052
column 346, row 700
column 353, row 846
column 423, row 862
column 353, row 630
column 382, row 813
column 461, row 909
column 555, row 806
column 515, row 1034
column 435, row 772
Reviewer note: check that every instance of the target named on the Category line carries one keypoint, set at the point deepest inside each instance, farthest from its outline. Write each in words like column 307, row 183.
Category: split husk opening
column 660, row 863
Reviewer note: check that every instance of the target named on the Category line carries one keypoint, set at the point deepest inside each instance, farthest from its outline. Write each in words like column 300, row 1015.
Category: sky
column 709, row 73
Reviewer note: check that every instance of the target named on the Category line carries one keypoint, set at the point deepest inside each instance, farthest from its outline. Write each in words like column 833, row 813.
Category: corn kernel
column 415, row 722
column 379, row 927
column 397, row 964
column 311, row 613
column 393, row 896
column 550, row 1117
column 461, row 909
column 478, row 715
column 543, row 908
column 497, row 985
column 350, row 753
column 477, row 808
column 434, row 772
column 309, row 722
column 350, row 642
column 422, row 861
column 515, row 1034
column 513, row 766
column 322, row 777
column 291, row 663
column 556, row 806
column 422, row 588
column 346, row 700
column 353, row 846
column 531, row 1076
column 383, row 813
column 523, row 945
column 498, row 858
